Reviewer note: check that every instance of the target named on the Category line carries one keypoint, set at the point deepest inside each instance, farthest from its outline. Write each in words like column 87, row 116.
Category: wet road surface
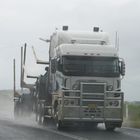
column 28, row 129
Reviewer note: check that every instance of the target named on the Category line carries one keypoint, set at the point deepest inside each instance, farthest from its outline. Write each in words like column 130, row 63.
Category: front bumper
column 98, row 120
column 78, row 114
column 93, row 107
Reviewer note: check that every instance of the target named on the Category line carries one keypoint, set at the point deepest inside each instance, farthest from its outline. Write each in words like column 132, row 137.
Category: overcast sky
column 26, row 20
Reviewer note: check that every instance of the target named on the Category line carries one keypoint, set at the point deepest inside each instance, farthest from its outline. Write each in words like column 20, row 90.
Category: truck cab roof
column 84, row 41
column 65, row 37
column 86, row 50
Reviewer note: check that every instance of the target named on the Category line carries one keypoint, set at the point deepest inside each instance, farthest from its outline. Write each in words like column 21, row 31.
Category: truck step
column 47, row 116
column 48, row 107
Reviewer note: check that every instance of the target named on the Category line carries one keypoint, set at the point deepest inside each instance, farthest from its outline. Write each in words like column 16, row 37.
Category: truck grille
column 92, row 99
column 97, row 103
column 93, row 96
column 93, row 88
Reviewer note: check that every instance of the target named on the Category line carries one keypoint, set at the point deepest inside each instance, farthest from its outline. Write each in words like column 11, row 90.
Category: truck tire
column 18, row 110
column 37, row 114
column 59, row 125
column 110, row 126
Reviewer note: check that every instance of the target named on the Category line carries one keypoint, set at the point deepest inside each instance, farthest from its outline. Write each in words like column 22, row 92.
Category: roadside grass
column 134, row 124
column 133, row 119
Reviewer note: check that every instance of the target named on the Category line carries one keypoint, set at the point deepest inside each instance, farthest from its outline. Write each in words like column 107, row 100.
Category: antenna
column 14, row 72
column 117, row 41
column 25, row 52
column 24, row 60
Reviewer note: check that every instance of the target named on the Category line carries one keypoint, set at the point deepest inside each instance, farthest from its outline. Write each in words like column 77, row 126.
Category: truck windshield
column 90, row 66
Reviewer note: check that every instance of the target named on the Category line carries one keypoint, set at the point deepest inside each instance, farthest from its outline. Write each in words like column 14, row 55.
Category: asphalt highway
column 16, row 130
column 27, row 129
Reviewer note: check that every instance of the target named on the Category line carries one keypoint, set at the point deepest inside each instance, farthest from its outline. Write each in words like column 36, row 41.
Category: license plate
column 92, row 106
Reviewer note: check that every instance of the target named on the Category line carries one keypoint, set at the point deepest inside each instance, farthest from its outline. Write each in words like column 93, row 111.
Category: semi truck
column 82, row 82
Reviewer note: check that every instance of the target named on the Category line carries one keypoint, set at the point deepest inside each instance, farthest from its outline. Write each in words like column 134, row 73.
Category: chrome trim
column 113, row 119
column 47, row 116
column 71, row 97
column 84, row 119
column 97, row 107
column 74, row 106
column 92, row 93
column 92, row 100
column 70, row 90
column 93, row 119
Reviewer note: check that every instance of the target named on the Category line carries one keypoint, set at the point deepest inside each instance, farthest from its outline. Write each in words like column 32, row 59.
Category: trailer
column 24, row 99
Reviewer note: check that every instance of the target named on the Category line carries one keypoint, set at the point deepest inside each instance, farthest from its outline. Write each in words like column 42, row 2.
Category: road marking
column 131, row 133
column 129, row 128
column 66, row 134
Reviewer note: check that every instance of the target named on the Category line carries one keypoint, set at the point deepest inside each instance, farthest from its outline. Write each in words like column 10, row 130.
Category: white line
column 131, row 133
column 130, row 128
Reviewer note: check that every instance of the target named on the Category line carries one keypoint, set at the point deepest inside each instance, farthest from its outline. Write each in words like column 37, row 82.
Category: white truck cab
column 85, row 75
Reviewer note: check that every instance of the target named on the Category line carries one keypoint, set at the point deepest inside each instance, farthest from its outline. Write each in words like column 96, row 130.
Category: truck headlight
column 109, row 87
column 109, row 94
column 117, row 94
column 112, row 103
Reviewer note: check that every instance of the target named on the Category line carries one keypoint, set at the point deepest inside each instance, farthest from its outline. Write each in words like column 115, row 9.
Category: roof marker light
column 65, row 28
column 96, row 29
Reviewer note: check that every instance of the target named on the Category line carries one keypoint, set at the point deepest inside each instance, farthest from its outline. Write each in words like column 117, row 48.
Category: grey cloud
column 26, row 21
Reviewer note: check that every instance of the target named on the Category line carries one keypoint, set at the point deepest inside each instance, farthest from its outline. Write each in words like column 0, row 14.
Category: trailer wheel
column 109, row 126
column 58, row 123
column 17, row 110
column 39, row 114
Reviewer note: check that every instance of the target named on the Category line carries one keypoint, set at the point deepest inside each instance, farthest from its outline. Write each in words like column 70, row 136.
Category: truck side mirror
column 53, row 65
column 46, row 69
column 59, row 64
column 122, row 67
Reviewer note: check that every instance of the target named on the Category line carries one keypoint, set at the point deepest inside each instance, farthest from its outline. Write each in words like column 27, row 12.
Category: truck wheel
column 59, row 125
column 109, row 126
column 38, row 120
column 18, row 110
column 48, row 121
